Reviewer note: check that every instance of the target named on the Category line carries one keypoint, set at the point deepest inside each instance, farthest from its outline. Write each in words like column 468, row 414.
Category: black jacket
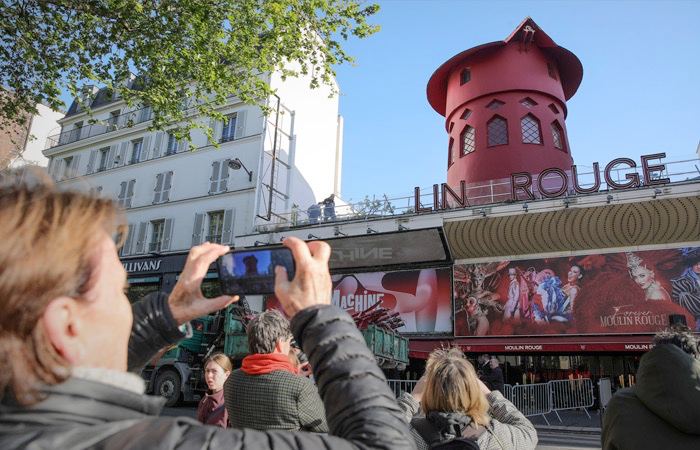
column 80, row 414
column 662, row 410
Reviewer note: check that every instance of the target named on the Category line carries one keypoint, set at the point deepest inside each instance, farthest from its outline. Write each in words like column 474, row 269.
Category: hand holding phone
column 252, row 271
column 311, row 284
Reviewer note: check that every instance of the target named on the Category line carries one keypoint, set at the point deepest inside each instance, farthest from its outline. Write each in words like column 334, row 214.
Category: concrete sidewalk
column 571, row 420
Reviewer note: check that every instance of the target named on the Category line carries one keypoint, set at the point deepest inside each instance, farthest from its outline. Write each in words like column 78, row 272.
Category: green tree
column 201, row 51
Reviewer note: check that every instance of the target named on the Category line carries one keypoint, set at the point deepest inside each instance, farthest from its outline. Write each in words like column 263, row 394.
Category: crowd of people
column 71, row 343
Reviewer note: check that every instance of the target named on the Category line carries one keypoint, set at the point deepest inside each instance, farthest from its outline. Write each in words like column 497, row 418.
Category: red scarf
column 261, row 363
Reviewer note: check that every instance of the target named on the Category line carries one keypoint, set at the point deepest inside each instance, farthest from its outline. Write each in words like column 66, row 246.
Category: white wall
column 316, row 136
column 43, row 125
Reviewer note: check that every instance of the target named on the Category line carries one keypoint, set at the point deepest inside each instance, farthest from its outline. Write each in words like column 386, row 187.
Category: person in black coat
column 68, row 334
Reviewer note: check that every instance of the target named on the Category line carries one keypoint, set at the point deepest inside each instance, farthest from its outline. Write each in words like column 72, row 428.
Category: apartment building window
column 229, row 131
column 216, row 226
column 172, row 145
column 162, row 189
column 145, row 114
column 113, row 120
column 126, row 193
column 136, row 147
column 157, row 233
column 75, row 133
column 104, row 157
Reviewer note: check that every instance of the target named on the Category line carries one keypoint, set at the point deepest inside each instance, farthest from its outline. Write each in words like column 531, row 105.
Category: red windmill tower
column 504, row 105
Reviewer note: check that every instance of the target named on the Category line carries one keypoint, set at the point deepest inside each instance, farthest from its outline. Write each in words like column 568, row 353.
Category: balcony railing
column 478, row 195
column 126, row 120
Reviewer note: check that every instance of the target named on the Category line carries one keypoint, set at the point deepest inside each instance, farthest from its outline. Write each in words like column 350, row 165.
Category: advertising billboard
column 422, row 298
column 613, row 293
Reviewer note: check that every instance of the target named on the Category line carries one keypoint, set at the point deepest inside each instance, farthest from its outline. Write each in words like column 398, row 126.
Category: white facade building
column 175, row 198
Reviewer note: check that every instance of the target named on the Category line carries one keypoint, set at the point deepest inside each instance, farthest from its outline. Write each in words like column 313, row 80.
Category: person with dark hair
column 68, row 335
column 266, row 393
column 662, row 409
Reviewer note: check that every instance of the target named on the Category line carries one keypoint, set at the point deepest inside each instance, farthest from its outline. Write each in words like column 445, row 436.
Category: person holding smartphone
column 68, row 335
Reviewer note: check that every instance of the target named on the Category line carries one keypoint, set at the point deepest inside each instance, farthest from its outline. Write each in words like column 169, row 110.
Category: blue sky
column 640, row 92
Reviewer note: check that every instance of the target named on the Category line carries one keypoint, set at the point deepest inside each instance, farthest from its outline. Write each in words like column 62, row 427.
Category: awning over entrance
column 421, row 348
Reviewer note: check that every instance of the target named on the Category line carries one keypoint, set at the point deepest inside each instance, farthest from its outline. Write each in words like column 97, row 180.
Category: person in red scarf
column 211, row 410
column 266, row 393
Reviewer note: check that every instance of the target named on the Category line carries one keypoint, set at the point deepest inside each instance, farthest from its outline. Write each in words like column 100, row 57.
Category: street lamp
column 237, row 164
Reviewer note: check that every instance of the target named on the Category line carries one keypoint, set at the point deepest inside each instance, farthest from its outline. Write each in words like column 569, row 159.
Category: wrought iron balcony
column 126, row 120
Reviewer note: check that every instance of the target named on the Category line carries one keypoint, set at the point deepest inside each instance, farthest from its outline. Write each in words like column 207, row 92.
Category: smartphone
column 252, row 271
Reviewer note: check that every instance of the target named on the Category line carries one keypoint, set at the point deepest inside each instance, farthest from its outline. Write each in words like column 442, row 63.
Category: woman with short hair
column 457, row 404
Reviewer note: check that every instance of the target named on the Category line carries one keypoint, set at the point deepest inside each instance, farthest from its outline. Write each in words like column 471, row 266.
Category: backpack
column 427, row 431
column 460, row 443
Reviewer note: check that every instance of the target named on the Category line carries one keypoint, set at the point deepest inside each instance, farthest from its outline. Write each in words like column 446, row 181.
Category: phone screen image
column 252, row 272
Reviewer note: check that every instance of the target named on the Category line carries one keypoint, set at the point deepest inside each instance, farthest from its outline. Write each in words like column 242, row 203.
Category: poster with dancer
column 628, row 292
column 422, row 298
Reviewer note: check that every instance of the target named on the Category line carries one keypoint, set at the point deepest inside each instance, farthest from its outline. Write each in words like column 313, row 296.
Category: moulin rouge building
column 518, row 252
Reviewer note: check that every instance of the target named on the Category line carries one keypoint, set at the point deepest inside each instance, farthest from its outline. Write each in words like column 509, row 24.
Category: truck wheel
column 168, row 386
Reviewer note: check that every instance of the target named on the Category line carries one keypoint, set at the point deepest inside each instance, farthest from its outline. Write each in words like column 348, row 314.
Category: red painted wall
column 508, row 74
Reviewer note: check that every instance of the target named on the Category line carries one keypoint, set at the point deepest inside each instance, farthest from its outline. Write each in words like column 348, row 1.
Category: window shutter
column 165, row 196
column 122, row 154
column 129, row 193
column 141, row 241
column 218, row 130
column 223, row 179
column 122, row 192
column 60, row 169
column 129, row 242
column 159, row 188
column 111, row 155
column 50, row 168
column 215, row 167
column 212, row 125
column 156, row 147
column 228, row 227
column 74, row 164
column 145, row 148
column 167, row 234
column 198, row 229
column 91, row 162
column 181, row 146
column 240, row 124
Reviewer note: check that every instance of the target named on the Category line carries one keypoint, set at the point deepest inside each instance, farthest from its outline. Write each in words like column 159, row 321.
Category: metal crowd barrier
column 398, row 386
column 537, row 399
column 532, row 399
column 575, row 393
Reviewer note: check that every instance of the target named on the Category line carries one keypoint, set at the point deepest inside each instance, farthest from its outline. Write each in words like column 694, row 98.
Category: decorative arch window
column 468, row 140
column 558, row 136
column 450, row 158
column 465, row 76
column 497, row 131
column 530, row 130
